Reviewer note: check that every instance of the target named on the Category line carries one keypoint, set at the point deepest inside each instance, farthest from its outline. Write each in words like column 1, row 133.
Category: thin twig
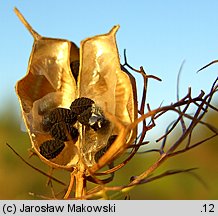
column 35, row 168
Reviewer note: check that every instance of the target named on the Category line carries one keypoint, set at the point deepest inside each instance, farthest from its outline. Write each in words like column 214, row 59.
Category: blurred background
column 158, row 35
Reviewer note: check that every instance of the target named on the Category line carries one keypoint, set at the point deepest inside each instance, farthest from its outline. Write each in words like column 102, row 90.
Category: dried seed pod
column 51, row 82
column 51, row 148
column 58, row 115
column 81, row 104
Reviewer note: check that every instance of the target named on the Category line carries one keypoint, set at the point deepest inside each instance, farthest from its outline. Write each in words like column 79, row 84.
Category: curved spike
column 35, row 35
column 114, row 29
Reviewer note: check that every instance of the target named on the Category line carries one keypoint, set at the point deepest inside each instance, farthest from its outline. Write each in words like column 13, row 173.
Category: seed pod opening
column 60, row 76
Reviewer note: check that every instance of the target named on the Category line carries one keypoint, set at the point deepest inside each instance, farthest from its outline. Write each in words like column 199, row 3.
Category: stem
column 149, row 170
column 80, row 190
column 70, row 187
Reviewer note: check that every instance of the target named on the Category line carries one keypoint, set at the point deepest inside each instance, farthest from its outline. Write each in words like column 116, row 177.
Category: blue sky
column 157, row 34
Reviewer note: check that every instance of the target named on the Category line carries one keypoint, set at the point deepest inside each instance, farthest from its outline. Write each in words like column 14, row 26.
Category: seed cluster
column 59, row 123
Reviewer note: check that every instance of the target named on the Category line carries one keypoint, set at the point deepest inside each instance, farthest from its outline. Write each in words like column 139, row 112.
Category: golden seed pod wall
column 66, row 94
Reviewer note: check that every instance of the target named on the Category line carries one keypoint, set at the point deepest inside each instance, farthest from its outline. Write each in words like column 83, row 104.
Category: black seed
column 59, row 131
column 70, row 118
column 74, row 133
column 84, row 117
column 51, row 148
column 102, row 151
column 79, row 105
column 62, row 114
column 74, row 65
column 58, row 115
column 64, row 131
